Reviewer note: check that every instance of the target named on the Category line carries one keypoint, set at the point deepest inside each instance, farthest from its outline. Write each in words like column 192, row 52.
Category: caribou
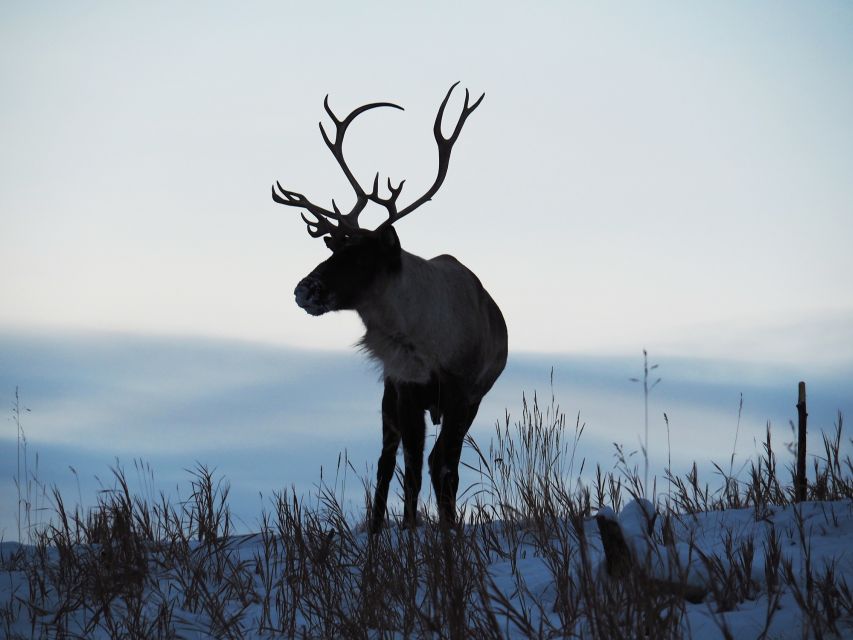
column 436, row 333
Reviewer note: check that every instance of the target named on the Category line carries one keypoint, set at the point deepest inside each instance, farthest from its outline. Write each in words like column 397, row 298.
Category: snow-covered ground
column 768, row 573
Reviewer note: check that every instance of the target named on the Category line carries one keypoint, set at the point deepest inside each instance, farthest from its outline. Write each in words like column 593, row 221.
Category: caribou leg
column 388, row 458
column 444, row 459
column 413, row 429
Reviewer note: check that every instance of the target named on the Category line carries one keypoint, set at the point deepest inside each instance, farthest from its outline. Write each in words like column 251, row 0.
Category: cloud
column 135, row 394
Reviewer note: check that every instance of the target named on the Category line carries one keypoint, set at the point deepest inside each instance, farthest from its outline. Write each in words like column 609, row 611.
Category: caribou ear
column 389, row 238
column 330, row 242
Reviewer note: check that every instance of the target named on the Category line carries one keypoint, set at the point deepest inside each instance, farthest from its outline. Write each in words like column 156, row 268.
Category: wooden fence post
column 800, row 486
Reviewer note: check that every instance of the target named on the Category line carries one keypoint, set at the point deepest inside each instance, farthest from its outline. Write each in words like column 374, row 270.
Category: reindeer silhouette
column 436, row 332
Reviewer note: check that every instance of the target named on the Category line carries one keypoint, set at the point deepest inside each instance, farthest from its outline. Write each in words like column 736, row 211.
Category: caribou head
column 360, row 257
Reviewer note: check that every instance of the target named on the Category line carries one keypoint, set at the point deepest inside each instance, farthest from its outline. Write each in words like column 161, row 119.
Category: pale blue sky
column 669, row 175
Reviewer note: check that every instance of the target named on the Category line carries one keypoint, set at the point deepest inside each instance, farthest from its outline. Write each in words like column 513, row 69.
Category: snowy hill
column 782, row 573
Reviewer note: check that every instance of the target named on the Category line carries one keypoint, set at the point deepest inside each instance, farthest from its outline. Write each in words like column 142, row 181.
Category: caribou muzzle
column 313, row 296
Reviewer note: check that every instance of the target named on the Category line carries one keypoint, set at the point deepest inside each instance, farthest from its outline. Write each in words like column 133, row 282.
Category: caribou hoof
column 412, row 523
column 376, row 526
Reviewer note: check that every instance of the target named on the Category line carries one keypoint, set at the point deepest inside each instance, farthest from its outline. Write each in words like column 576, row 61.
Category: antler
column 445, row 146
column 347, row 223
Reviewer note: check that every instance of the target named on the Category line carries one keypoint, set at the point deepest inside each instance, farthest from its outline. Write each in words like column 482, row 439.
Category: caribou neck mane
column 411, row 328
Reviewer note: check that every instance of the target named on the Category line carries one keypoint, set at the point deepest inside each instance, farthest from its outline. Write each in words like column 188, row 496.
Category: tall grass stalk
column 647, row 388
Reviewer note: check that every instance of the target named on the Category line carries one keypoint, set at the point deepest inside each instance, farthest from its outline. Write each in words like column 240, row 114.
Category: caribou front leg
column 413, row 430
column 388, row 458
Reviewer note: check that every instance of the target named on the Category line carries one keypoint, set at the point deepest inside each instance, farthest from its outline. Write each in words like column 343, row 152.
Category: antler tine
column 390, row 203
column 294, row 199
column 322, row 225
column 395, row 192
column 466, row 111
column 445, row 146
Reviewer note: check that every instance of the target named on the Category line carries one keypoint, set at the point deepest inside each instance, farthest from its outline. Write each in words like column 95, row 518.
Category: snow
column 812, row 537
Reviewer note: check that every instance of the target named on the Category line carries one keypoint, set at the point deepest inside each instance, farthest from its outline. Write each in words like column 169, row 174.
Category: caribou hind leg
column 444, row 458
